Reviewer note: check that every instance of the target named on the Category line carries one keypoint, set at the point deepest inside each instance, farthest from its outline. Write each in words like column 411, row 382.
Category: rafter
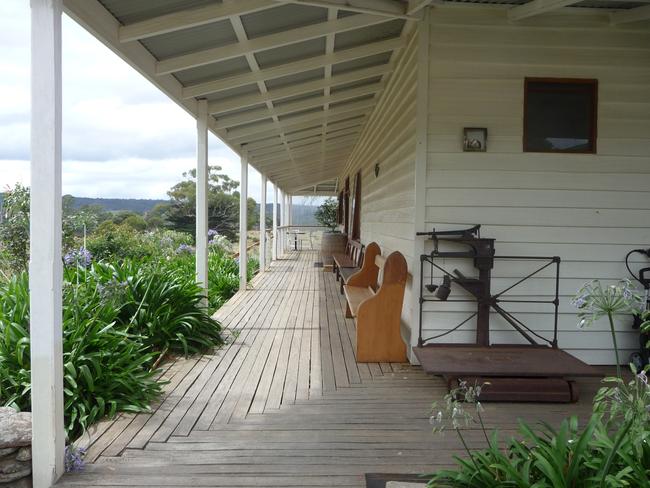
column 264, row 43
column 243, row 101
column 337, row 127
column 186, row 19
column 387, row 8
column 536, row 7
column 228, row 121
column 414, row 6
column 205, row 88
column 630, row 15
column 307, row 152
column 257, row 130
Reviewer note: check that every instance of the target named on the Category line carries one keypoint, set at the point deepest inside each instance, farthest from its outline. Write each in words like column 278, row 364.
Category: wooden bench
column 348, row 263
column 377, row 310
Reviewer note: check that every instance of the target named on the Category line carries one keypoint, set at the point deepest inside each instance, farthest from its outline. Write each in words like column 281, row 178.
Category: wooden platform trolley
column 537, row 370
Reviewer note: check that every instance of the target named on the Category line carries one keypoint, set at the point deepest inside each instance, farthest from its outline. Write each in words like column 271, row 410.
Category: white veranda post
column 290, row 210
column 45, row 267
column 283, row 223
column 263, row 225
column 243, row 220
column 275, row 222
column 202, row 196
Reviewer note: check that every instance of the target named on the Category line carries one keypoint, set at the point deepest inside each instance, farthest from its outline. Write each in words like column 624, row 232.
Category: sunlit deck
column 285, row 403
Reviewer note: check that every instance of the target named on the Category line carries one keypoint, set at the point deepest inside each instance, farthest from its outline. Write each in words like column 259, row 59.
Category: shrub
column 118, row 320
column 14, row 228
column 327, row 214
column 105, row 369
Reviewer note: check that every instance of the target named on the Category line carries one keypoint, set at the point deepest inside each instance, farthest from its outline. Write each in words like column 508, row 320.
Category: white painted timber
column 243, row 221
column 421, row 155
column 296, row 121
column 201, row 255
column 632, row 15
column 228, row 121
column 589, row 209
column 244, row 101
column 45, row 268
column 388, row 139
column 537, row 7
column 186, row 19
column 263, row 225
column 285, row 69
column 415, row 6
column 264, row 43
column 388, row 8
column 275, row 223
column 290, row 210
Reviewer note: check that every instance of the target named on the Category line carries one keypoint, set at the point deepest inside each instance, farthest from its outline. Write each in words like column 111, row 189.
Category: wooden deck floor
column 285, row 404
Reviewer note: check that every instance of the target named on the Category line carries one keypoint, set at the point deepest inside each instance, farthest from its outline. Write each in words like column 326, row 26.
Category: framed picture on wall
column 475, row 139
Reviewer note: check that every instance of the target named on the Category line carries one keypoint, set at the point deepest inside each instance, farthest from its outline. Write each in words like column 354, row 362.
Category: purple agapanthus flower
column 74, row 459
column 78, row 257
column 184, row 249
column 212, row 233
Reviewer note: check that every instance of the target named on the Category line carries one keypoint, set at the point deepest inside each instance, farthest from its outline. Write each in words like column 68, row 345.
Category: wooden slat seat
column 343, row 261
column 355, row 295
column 351, row 259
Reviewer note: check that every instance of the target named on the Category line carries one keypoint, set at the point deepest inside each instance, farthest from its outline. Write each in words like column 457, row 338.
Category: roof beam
column 186, row 19
column 334, row 128
column 349, row 110
column 271, row 41
column 415, row 6
column 293, row 67
column 228, row 121
column 282, row 149
column 536, row 7
column 630, row 15
column 305, row 153
column 243, row 101
column 387, row 8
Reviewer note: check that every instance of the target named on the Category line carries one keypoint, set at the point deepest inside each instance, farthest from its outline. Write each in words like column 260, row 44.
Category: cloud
column 122, row 137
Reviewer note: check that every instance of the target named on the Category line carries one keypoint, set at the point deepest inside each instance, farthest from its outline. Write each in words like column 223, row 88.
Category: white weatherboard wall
column 388, row 139
column 588, row 209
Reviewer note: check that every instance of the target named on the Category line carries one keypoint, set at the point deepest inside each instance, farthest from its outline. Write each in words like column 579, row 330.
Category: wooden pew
column 377, row 309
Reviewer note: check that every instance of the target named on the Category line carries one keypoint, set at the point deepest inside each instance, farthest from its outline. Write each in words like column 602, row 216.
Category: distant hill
column 137, row 205
column 302, row 214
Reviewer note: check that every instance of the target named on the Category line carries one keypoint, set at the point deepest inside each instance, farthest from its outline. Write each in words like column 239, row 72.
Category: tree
column 14, row 227
column 326, row 214
column 223, row 204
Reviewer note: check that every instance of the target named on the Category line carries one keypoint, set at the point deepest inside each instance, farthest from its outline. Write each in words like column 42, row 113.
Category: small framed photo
column 475, row 139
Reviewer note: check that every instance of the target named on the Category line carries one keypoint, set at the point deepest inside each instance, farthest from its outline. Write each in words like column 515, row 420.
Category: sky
column 122, row 137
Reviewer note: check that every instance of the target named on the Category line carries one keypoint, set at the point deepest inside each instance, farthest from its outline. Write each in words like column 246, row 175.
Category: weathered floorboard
column 284, row 403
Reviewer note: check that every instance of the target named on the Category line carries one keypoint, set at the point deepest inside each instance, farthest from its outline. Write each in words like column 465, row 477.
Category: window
column 356, row 208
column 560, row 115
column 346, row 206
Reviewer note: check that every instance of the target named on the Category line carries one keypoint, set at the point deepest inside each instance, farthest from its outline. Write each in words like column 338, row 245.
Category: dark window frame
column 346, row 206
column 356, row 208
column 590, row 86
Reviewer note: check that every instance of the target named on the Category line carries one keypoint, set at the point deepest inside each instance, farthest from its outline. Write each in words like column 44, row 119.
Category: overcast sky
column 122, row 137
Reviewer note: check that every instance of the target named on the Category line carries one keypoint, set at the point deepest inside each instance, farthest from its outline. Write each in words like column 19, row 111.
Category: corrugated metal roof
column 280, row 78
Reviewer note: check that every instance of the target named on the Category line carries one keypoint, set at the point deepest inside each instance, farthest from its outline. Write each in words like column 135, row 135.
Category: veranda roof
column 292, row 82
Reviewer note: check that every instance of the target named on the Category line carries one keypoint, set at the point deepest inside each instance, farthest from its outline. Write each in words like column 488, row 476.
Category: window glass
column 560, row 116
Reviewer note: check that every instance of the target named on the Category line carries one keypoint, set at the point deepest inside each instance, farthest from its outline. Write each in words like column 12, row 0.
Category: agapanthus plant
column 454, row 414
column 78, row 257
column 184, row 249
column 595, row 300
column 74, row 459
